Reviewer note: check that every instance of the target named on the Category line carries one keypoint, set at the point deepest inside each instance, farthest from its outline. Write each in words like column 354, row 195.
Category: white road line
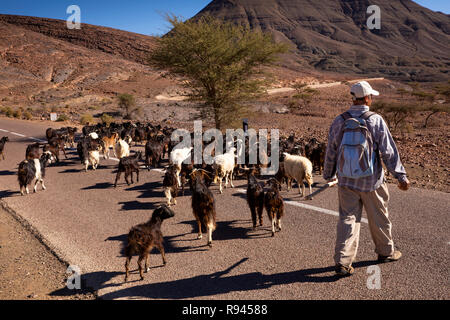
column 36, row 139
column 17, row 134
column 23, row 136
column 309, row 207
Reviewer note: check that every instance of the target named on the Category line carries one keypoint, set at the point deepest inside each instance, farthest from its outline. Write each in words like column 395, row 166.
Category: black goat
column 203, row 204
column 142, row 238
column 273, row 201
column 153, row 153
column 129, row 165
column 255, row 198
column 2, row 146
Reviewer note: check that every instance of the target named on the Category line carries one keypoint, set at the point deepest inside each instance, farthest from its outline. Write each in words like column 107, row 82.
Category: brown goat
column 273, row 201
column 142, row 238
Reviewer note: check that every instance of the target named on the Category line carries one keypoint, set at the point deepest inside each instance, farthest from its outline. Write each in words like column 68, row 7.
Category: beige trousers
column 351, row 203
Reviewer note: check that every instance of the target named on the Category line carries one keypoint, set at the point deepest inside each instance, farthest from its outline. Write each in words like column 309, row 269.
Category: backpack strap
column 346, row 115
column 366, row 115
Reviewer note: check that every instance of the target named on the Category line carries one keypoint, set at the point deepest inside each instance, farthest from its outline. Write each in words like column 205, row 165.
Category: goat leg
column 163, row 254
column 260, row 215
column 210, row 229
column 141, row 257
column 199, row 230
column 117, row 178
column 147, row 269
column 231, row 179
column 253, row 211
column 127, row 265
column 126, row 178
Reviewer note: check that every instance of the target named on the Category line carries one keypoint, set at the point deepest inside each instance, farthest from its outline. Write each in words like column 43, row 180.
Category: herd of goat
column 297, row 162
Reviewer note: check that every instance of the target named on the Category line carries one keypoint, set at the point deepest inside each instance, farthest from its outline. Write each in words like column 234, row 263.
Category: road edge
column 41, row 238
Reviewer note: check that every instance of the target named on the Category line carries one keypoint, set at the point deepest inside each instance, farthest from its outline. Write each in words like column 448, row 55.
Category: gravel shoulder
column 28, row 270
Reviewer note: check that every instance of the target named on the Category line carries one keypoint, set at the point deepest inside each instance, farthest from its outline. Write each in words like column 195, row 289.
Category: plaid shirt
column 383, row 144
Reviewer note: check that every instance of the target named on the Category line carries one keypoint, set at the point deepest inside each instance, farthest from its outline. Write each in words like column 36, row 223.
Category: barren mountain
column 332, row 35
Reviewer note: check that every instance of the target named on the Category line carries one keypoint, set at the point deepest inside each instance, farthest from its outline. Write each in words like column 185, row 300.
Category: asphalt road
column 85, row 221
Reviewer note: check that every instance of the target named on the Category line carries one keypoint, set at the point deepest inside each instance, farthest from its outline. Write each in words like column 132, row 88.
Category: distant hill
column 44, row 63
column 331, row 35
column 130, row 46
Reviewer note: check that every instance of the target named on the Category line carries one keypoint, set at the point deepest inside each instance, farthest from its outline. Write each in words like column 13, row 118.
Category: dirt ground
column 28, row 270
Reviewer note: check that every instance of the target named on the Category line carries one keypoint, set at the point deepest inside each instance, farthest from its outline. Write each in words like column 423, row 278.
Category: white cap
column 362, row 89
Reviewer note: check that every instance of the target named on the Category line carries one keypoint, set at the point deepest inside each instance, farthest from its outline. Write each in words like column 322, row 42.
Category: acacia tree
column 128, row 104
column 219, row 62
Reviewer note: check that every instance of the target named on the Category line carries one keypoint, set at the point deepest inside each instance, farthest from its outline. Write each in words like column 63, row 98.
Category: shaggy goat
column 203, row 204
column 129, row 165
column 33, row 170
column 170, row 184
column 298, row 168
column 255, row 198
column 224, row 166
column 122, row 149
column 153, row 153
column 177, row 157
column 142, row 238
column 273, row 201
column 2, row 146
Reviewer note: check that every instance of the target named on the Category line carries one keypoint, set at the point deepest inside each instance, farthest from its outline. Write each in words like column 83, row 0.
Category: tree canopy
column 219, row 62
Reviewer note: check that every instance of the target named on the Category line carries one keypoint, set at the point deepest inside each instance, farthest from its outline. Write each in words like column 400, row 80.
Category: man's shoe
column 394, row 257
column 344, row 271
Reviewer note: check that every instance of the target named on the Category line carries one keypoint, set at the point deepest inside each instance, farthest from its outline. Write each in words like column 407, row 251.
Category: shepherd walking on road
column 358, row 140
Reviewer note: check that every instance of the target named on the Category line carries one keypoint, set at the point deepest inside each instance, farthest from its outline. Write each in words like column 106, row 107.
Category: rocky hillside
column 44, row 63
column 128, row 45
column 331, row 35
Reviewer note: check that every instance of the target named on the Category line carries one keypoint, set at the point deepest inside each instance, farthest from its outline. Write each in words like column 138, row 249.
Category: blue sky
column 140, row 16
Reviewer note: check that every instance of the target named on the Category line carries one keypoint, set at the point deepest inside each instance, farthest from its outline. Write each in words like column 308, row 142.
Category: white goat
column 122, row 149
column 224, row 166
column 93, row 159
column 298, row 168
column 177, row 157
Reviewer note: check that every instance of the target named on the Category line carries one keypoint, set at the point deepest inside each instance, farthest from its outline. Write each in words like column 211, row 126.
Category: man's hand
column 404, row 185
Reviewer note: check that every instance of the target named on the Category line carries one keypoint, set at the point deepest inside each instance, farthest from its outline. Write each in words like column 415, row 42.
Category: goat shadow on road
column 169, row 245
column 217, row 283
column 229, row 230
column 7, row 173
column 9, row 193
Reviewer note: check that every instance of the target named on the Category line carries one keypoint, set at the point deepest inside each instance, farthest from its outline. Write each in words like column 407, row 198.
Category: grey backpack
column 356, row 157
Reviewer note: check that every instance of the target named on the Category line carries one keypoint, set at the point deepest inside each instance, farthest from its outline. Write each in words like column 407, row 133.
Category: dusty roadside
column 28, row 270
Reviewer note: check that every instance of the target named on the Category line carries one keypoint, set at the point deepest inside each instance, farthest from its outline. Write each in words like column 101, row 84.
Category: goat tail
column 129, row 249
